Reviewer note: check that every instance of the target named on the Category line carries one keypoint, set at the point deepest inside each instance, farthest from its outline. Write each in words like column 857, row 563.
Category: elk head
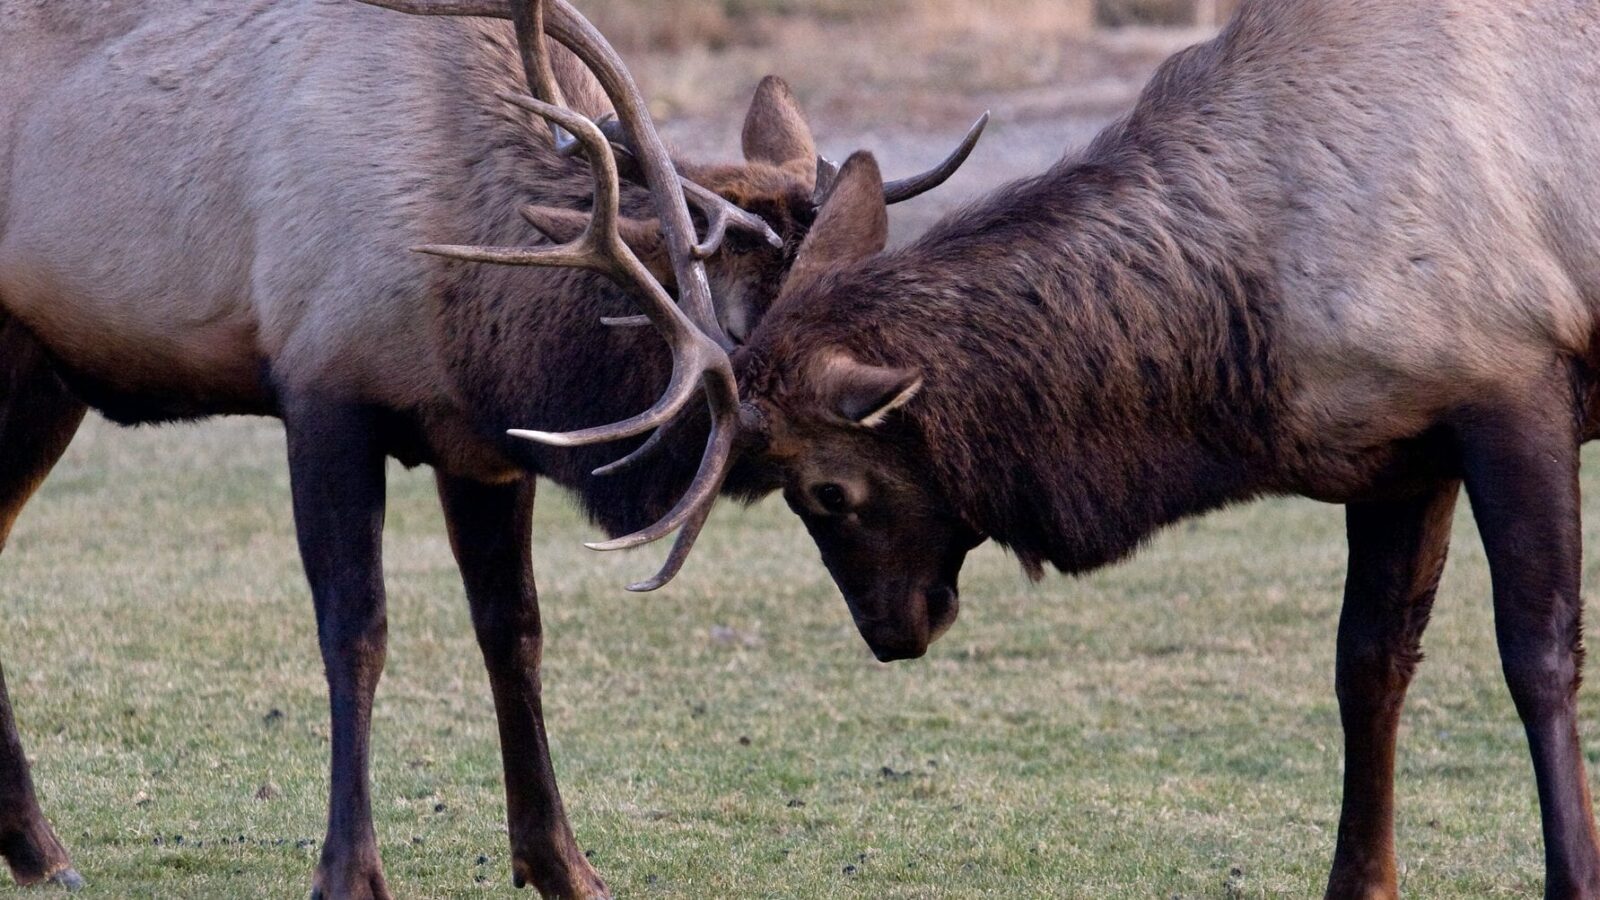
column 833, row 431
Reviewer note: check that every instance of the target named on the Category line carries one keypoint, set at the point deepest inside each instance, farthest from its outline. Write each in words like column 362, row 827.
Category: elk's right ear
column 643, row 236
column 864, row 394
column 775, row 130
column 852, row 225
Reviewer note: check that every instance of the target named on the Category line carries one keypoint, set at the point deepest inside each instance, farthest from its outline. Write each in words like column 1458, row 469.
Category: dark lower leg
column 490, row 532
column 1522, row 478
column 30, row 848
column 1397, row 552
column 337, row 476
column 38, row 418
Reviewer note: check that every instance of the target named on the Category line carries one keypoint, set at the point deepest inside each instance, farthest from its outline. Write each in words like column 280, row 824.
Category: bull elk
column 1346, row 250
column 205, row 209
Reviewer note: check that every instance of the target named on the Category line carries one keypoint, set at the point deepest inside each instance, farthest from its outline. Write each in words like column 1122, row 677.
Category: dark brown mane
column 1108, row 310
column 1344, row 251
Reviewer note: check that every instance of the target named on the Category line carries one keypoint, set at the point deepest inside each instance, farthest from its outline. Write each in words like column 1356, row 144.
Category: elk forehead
column 780, row 194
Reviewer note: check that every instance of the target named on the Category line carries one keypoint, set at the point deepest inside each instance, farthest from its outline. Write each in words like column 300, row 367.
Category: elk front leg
column 38, row 418
column 30, row 848
column 1521, row 469
column 491, row 532
column 336, row 471
column 1397, row 552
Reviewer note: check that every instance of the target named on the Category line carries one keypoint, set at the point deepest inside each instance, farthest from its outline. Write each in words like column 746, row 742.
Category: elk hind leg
column 491, row 533
column 38, row 417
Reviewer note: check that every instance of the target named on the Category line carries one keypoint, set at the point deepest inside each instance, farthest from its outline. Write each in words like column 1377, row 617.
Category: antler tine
column 681, row 389
column 690, row 515
column 599, row 248
column 489, row 9
column 687, row 535
column 566, row 256
column 827, row 175
column 720, row 213
column 528, row 20
column 904, row 189
column 644, row 452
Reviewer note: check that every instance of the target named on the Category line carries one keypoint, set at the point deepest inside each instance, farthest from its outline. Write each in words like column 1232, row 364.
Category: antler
column 720, row 214
column 904, row 189
column 699, row 347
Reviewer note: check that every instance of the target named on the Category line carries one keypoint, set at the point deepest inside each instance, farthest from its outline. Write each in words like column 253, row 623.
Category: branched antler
column 699, row 346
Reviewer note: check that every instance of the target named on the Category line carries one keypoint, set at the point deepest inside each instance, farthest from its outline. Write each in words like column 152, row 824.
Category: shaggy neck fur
column 525, row 347
column 1096, row 344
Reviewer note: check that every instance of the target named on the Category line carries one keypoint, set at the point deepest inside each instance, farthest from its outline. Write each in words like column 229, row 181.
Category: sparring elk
column 205, row 208
column 1347, row 250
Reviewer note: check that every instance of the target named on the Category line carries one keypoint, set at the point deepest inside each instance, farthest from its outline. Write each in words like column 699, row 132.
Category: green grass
column 1166, row 728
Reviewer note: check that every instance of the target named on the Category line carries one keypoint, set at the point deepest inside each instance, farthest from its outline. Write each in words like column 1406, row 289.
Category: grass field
column 1164, row 729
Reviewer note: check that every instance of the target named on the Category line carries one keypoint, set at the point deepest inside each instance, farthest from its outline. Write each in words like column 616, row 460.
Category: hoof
column 66, row 879
column 581, row 883
column 358, row 887
column 376, row 892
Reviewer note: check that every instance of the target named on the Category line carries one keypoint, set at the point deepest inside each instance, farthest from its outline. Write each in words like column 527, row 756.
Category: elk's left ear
column 775, row 130
column 864, row 394
column 852, row 225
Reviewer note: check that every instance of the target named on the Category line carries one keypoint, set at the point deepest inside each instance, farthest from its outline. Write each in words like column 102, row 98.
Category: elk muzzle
column 903, row 603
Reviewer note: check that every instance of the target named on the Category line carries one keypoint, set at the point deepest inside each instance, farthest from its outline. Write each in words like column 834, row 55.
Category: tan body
column 1431, row 206
column 1350, row 249
column 255, row 217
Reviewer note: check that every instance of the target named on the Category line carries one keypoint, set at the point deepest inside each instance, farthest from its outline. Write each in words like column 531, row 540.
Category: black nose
column 897, row 652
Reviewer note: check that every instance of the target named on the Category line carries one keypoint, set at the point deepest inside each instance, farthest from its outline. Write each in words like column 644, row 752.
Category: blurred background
column 905, row 78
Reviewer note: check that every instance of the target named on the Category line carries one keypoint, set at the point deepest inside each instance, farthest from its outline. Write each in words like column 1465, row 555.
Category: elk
column 205, row 209
column 1346, row 250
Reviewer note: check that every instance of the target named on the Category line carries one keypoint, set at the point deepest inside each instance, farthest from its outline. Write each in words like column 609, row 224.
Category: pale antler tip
column 542, row 437
column 445, row 251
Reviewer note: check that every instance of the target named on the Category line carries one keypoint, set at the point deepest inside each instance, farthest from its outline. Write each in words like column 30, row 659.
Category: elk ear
column 852, row 225
column 864, row 394
column 643, row 236
column 775, row 130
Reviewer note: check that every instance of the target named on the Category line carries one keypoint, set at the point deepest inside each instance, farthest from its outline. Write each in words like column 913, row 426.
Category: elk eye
column 832, row 498
column 740, row 244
